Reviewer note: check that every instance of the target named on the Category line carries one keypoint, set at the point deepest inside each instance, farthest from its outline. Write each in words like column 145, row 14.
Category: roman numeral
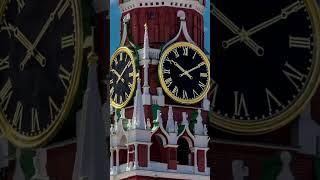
column 63, row 8
column 111, row 91
column 185, row 51
column 120, row 99
column 17, row 117
column 6, row 27
column 111, row 81
column 270, row 97
column 115, row 99
column 195, row 94
column 175, row 51
column 130, row 85
column 52, row 108
column 5, row 94
column 201, row 85
column 64, row 76
column 185, row 94
column 194, row 55
column 204, row 75
column 126, row 95
column 131, row 74
column 34, row 120
column 4, row 63
column 239, row 104
column 166, row 71
column 21, row 5
column 299, row 42
column 168, row 82
column 67, row 41
column 175, row 91
column 121, row 56
column 293, row 75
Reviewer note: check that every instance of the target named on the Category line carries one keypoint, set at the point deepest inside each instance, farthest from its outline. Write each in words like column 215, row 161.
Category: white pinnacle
column 170, row 122
column 138, row 118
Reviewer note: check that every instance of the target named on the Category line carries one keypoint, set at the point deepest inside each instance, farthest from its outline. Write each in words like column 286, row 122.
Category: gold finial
column 145, row 26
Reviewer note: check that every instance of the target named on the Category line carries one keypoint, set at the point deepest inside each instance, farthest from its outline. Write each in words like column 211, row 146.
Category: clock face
column 184, row 73
column 39, row 68
column 123, row 77
column 265, row 62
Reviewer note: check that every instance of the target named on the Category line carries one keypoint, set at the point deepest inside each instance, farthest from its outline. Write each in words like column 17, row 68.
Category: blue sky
column 115, row 26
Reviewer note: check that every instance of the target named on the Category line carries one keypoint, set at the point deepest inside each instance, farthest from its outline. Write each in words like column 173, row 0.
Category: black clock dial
column 184, row 73
column 123, row 77
column 39, row 67
column 264, row 60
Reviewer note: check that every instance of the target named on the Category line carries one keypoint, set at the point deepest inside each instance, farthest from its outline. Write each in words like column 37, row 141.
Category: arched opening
column 184, row 155
column 123, row 150
column 157, row 150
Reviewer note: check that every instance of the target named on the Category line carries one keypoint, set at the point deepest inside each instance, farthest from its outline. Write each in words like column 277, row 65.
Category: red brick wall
column 143, row 155
column 163, row 25
column 201, row 159
column 60, row 162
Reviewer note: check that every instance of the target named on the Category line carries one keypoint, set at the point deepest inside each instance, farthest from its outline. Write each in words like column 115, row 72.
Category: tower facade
column 154, row 135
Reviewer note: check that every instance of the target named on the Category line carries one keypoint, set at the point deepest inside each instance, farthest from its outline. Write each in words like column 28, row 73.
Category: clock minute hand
column 192, row 69
column 125, row 68
column 241, row 33
column 283, row 15
column 39, row 37
column 181, row 69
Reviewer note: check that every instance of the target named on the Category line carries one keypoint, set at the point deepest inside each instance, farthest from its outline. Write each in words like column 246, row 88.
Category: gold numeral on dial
column 201, row 85
column 21, row 5
column 168, row 82
column 4, row 63
column 195, row 94
column 63, row 8
column 293, row 74
column 175, row 51
column 67, row 41
column 17, row 117
column 5, row 94
column 240, row 104
column 130, row 85
column 120, row 100
column 204, row 75
column 34, row 120
column 52, row 108
column 166, row 71
column 270, row 97
column 64, row 76
column 185, row 51
column 121, row 56
column 175, row 91
column 299, row 42
column 112, row 91
column 126, row 95
column 115, row 99
column 185, row 94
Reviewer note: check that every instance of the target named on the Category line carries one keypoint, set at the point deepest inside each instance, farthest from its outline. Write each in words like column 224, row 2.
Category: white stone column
column 195, row 165
column 136, row 155
column 146, row 97
column 117, row 159
column 111, row 160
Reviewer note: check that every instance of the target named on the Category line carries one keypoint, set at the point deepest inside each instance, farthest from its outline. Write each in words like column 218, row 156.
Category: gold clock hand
column 39, row 37
column 192, row 69
column 117, row 74
column 181, row 69
column 125, row 68
column 283, row 15
column 26, row 43
column 241, row 33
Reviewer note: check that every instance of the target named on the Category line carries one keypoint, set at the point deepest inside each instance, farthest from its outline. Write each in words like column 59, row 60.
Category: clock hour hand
column 26, row 43
column 283, row 15
column 192, row 69
column 117, row 74
column 39, row 37
column 241, row 33
column 181, row 69
column 125, row 68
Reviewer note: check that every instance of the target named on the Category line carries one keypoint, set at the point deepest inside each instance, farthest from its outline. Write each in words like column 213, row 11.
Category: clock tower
column 159, row 125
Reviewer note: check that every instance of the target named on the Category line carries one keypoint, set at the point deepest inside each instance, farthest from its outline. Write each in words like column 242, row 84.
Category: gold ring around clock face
column 266, row 65
column 122, row 77
column 184, row 73
column 40, row 68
